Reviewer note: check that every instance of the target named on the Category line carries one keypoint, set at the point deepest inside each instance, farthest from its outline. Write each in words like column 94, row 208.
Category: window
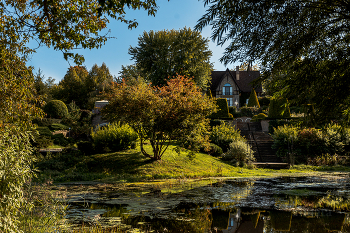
column 229, row 101
column 227, row 89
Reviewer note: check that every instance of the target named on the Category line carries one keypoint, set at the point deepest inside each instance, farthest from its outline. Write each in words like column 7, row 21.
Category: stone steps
column 260, row 141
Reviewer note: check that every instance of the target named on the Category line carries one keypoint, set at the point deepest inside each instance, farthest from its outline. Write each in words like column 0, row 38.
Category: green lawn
column 130, row 165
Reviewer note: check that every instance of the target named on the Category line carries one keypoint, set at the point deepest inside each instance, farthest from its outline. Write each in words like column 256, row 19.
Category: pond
column 292, row 204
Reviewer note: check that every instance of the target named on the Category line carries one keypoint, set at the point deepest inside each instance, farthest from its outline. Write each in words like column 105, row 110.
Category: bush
column 250, row 111
column 222, row 135
column 55, row 127
column 253, row 100
column 274, row 124
column 86, row 147
column 215, row 150
column 42, row 142
column 116, row 137
column 264, row 101
column 335, row 138
column 310, row 143
column 74, row 111
column 59, row 139
column 45, row 121
column 284, row 137
column 222, row 109
column 259, row 117
column 240, row 152
column 44, row 131
column 279, row 108
column 56, row 109
column 215, row 122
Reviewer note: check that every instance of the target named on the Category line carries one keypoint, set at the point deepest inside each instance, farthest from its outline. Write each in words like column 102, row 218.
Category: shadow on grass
column 118, row 162
column 72, row 165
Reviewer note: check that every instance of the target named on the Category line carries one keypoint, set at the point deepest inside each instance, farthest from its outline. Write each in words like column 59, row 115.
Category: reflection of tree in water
column 316, row 222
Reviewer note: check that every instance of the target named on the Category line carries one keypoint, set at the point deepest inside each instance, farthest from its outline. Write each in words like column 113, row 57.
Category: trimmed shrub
column 250, row 111
column 59, row 139
column 44, row 131
column 279, row 108
column 259, row 117
column 115, row 137
column 56, row 109
column 239, row 152
column 222, row 135
column 223, row 109
column 42, row 142
column 55, row 127
column 253, row 100
column 45, row 121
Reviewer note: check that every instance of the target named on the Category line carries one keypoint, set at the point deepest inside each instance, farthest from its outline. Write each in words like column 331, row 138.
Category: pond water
column 292, row 204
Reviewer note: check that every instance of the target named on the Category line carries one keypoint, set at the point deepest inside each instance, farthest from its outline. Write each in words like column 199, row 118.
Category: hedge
column 223, row 109
column 56, row 109
column 253, row 100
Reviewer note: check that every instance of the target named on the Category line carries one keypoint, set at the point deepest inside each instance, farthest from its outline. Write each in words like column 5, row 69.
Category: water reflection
column 308, row 204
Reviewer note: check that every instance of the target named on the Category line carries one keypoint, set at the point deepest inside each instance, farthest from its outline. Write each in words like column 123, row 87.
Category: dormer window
column 227, row 89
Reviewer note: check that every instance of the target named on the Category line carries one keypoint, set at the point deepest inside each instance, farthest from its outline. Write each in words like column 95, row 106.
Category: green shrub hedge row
column 222, row 109
column 115, row 137
column 306, row 143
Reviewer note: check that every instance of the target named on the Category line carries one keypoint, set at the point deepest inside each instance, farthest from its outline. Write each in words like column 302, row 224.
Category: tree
column 246, row 66
column 285, row 37
column 161, row 114
column 82, row 87
column 18, row 106
column 164, row 54
column 63, row 25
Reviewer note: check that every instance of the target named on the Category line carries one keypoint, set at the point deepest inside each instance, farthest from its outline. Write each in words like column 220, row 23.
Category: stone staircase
column 261, row 144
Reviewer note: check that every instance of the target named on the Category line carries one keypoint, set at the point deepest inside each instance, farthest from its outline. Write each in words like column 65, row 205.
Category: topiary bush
column 56, row 109
column 253, row 100
column 259, row 117
column 222, row 109
column 115, row 137
column 222, row 135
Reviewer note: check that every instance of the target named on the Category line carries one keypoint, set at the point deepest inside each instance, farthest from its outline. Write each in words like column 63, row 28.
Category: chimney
column 237, row 72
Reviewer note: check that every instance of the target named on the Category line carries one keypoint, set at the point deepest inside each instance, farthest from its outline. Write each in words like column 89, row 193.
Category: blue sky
column 175, row 14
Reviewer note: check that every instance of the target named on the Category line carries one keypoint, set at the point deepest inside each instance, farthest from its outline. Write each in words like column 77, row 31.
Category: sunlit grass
column 132, row 166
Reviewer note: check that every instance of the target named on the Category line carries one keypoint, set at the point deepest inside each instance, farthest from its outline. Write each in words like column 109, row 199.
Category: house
column 97, row 117
column 235, row 86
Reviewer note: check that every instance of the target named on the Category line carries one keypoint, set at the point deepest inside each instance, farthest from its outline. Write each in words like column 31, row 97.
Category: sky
column 173, row 14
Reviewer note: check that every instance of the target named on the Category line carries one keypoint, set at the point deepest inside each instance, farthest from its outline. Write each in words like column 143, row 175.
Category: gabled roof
column 244, row 82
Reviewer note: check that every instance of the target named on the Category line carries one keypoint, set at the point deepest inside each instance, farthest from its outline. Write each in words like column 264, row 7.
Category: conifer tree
column 253, row 100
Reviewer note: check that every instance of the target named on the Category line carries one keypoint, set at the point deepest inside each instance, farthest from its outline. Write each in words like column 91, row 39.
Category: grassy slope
column 131, row 165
